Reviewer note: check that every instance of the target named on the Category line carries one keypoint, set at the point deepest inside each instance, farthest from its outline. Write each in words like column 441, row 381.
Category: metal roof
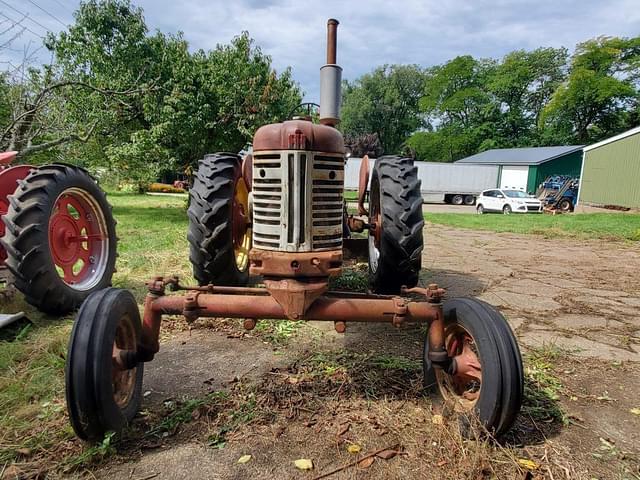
column 626, row 134
column 520, row 156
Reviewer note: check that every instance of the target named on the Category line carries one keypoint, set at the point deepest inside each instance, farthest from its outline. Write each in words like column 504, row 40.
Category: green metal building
column 526, row 168
column 611, row 172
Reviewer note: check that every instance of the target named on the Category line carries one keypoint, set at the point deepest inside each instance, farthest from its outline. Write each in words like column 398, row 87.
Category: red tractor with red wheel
column 57, row 234
column 280, row 214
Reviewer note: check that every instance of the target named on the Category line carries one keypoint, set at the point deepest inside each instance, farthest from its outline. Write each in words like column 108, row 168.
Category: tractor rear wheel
column 219, row 222
column 395, row 243
column 103, row 380
column 565, row 205
column 60, row 238
column 488, row 381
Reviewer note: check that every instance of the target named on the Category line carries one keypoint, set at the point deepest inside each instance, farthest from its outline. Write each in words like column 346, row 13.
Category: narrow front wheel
column 487, row 378
column 103, row 381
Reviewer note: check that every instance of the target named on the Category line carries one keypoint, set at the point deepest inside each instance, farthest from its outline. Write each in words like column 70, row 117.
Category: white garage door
column 514, row 177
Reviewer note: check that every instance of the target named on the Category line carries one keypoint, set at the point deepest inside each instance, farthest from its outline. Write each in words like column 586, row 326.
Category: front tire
column 60, row 238
column 219, row 233
column 489, row 379
column 100, row 396
column 395, row 246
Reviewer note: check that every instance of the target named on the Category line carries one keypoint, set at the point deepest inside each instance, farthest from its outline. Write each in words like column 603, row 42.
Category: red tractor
column 280, row 214
column 57, row 234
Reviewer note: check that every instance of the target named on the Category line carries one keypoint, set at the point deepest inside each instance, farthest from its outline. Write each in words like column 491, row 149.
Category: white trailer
column 449, row 182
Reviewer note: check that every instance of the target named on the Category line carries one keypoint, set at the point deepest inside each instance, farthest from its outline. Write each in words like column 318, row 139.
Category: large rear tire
column 489, row 379
column 60, row 238
column 395, row 246
column 101, row 396
column 219, row 222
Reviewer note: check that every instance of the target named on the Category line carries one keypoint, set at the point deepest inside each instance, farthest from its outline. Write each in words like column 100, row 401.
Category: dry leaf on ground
column 244, row 459
column 528, row 464
column 303, row 464
column 366, row 462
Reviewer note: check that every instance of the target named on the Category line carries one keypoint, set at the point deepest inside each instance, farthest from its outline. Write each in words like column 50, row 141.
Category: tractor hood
column 298, row 135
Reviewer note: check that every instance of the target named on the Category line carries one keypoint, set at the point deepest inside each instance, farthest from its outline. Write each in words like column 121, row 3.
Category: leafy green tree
column 384, row 102
column 459, row 108
column 600, row 93
column 522, row 84
column 178, row 105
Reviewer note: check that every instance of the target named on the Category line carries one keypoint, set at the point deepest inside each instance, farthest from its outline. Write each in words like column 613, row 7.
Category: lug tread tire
column 210, row 221
column 26, row 238
column 88, row 384
column 503, row 379
column 401, row 244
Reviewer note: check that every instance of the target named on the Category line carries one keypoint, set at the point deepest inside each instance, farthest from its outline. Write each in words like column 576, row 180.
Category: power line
column 48, row 13
column 63, row 5
column 23, row 26
column 25, row 15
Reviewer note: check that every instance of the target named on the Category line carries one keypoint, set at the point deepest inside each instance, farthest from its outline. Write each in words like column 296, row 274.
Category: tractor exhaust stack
column 330, row 80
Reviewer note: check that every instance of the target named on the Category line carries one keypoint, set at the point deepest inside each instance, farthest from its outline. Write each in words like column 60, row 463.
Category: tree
column 184, row 105
column 384, row 102
column 459, row 108
column 521, row 85
column 600, row 93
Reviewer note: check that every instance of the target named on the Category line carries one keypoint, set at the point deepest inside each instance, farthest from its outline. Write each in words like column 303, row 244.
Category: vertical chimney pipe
column 331, row 79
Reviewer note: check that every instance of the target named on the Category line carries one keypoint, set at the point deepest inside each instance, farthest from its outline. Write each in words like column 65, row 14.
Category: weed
column 353, row 279
column 395, row 363
column 183, row 412
column 243, row 414
column 278, row 332
column 93, row 454
column 542, row 386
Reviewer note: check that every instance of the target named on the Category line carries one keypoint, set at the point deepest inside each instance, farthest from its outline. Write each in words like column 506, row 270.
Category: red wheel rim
column 464, row 386
column 78, row 239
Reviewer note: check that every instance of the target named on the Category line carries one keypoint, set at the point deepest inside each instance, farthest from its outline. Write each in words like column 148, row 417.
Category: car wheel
column 506, row 209
column 480, row 209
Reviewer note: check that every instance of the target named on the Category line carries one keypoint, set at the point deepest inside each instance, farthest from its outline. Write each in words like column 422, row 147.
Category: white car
column 507, row 201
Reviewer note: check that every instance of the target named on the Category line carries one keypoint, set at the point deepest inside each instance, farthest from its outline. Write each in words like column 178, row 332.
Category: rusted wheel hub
column 123, row 379
column 464, row 385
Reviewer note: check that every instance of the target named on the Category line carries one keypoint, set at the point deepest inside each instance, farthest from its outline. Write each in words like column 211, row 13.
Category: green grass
column 542, row 386
column 351, row 195
column 152, row 232
column 610, row 226
column 153, row 238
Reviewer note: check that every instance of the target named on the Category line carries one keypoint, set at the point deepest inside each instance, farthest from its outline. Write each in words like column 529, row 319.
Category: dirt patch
column 574, row 300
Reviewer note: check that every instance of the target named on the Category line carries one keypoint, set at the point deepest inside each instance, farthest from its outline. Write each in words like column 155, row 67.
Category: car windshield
column 515, row 194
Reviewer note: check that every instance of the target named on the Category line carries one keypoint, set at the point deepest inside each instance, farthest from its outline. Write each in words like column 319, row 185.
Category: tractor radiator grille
column 297, row 201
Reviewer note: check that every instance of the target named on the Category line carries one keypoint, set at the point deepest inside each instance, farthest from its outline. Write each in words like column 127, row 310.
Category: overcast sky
column 371, row 33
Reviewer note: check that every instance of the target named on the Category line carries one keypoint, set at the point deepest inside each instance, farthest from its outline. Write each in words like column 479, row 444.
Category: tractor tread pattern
column 210, row 223
column 401, row 208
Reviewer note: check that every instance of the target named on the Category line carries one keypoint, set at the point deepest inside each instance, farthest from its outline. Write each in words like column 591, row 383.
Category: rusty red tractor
column 57, row 234
column 280, row 214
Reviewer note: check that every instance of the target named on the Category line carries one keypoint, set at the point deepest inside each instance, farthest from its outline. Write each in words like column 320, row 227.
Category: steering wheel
column 309, row 110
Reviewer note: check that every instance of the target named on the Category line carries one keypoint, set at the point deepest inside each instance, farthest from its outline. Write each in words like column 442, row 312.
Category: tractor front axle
column 253, row 304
